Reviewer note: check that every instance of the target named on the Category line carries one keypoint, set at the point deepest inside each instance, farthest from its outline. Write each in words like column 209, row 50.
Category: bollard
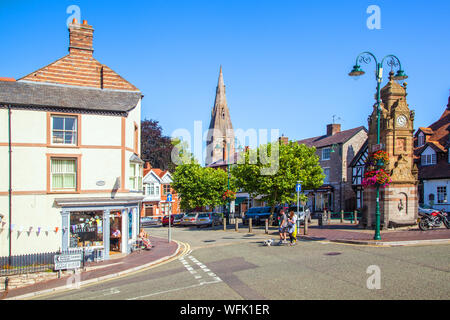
column 224, row 224
column 355, row 217
column 328, row 215
column 236, row 224
column 267, row 226
column 342, row 216
column 250, row 225
column 305, row 226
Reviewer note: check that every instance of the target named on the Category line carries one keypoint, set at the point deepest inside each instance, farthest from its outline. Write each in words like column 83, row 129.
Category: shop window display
column 86, row 229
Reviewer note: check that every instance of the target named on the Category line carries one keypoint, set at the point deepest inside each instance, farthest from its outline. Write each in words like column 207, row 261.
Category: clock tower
column 399, row 200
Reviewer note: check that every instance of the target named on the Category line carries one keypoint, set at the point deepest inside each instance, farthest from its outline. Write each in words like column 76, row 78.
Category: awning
column 239, row 200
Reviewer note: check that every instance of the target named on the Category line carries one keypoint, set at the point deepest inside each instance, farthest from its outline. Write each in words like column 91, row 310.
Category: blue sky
column 285, row 63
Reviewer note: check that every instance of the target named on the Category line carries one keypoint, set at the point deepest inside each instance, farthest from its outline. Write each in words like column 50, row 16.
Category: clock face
column 401, row 121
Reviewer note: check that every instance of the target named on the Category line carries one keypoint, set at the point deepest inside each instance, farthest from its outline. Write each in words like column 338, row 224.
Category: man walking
column 283, row 223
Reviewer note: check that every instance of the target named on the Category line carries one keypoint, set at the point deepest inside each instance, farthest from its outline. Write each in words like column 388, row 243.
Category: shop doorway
column 115, row 223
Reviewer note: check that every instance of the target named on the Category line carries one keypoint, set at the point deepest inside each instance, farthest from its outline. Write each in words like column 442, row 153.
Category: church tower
column 220, row 140
column 399, row 200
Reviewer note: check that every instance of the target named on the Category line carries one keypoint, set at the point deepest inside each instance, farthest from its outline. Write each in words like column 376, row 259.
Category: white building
column 73, row 128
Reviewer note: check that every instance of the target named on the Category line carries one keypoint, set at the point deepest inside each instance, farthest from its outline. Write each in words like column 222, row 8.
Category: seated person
column 115, row 238
column 143, row 237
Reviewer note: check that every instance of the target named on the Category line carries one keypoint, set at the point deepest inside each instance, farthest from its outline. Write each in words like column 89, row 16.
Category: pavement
column 353, row 234
column 164, row 251
column 116, row 266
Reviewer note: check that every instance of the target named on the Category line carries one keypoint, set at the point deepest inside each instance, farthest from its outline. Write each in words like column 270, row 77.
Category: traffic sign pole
column 169, row 199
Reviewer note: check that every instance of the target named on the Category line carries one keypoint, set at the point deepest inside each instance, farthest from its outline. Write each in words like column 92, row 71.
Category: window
column 64, row 130
column 166, row 189
column 150, row 189
column 428, row 159
column 64, row 174
column 326, row 172
column 135, row 177
column 441, row 195
column 326, row 153
column 421, row 140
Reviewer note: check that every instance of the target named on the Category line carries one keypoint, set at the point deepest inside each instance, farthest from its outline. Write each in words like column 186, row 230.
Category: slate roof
column 29, row 94
column 339, row 137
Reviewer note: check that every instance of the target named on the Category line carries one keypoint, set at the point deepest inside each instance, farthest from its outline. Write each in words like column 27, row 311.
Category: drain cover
column 333, row 253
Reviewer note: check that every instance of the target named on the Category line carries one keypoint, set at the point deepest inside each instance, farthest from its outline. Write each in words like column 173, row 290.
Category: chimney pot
column 74, row 21
column 85, row 22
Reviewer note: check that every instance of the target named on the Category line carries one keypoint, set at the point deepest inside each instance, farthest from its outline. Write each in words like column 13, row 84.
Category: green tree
column 275, row 180
column 198, row 186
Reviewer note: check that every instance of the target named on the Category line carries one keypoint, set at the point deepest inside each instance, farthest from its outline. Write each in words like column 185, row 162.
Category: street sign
column 68, row 261
column 169, row 197
column 298, row 187
column 68, row 265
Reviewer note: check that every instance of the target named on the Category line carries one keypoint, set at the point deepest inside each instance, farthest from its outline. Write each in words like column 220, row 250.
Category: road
column 235, row 265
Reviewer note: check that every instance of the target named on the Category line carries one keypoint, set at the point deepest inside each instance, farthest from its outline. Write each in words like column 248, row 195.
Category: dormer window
column 428, row 159
column 420, row 139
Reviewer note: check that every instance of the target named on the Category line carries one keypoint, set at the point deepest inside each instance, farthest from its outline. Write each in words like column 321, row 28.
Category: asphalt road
column 236, row 266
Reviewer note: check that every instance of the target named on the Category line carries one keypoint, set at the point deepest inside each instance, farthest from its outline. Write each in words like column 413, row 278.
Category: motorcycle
column 433, row 219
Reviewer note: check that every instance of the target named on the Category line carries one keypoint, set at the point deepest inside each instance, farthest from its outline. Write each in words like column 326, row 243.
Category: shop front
column 104, row 225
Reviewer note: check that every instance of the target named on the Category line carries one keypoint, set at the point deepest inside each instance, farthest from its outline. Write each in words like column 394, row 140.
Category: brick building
column 336, row 150
column 432, row 157
column 157, row 185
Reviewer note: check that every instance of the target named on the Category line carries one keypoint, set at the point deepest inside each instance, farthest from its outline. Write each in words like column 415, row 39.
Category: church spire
column 220, row 128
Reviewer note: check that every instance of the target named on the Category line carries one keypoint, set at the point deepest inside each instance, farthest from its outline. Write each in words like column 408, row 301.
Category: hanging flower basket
column 380, row 158
column 376, row 178
column 229, row 195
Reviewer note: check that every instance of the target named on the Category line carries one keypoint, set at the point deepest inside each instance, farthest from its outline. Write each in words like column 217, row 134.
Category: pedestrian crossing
column 202, row 273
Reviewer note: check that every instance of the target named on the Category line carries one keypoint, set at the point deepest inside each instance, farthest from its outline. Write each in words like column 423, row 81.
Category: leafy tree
column 198, row 186
column 275, row 181
column 156, row 148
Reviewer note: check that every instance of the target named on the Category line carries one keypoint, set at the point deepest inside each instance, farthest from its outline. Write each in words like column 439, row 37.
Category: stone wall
column 23, row 280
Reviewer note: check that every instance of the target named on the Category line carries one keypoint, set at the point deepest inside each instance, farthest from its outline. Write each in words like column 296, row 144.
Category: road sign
column 298, row 187
column 68, row 261
column 169, row 197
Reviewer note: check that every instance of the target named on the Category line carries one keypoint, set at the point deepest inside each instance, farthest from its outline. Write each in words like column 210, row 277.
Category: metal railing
column 43, row 262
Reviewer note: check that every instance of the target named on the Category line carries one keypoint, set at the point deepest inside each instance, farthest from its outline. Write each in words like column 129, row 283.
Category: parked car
column 189, row 219
column 150, row 221
column 258, row 215
column 175, row 219
column 208, row 219
column 303, row 210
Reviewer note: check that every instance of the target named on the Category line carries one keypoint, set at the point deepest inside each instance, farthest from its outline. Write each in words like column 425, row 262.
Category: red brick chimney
column 332, row 129
column 284, row 140
column 81, row 36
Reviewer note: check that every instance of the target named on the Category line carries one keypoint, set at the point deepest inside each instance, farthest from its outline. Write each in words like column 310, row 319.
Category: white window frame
column 428, row 159
column 441, row 192
column 323, row 154
column 74, row 132
column 420, row 139
column 135, row 179
column 326, row 180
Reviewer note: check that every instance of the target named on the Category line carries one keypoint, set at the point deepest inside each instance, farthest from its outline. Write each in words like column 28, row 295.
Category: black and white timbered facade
column 358, row 168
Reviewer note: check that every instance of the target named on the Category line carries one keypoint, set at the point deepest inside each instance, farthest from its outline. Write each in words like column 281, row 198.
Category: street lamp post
column 393, row 61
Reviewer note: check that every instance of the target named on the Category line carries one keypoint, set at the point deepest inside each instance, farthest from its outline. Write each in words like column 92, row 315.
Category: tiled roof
column 340, row 137
column 441, row 170
column 30, row 94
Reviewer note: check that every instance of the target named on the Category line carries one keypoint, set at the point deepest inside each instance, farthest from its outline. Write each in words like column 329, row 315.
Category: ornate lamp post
column 392, row 61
